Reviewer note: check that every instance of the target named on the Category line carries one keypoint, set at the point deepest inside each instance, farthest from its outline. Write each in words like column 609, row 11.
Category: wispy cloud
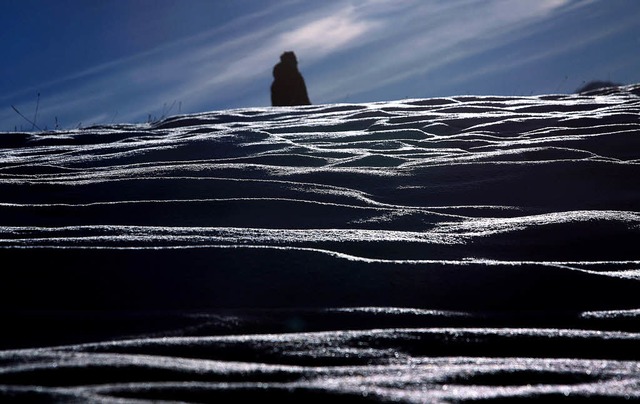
column 328, row 34
column 345, row 47
column 206, row 69
column 429, row 36
column 526, row 57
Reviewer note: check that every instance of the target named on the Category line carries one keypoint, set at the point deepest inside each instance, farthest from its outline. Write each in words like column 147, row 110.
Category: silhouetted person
column 288, row 87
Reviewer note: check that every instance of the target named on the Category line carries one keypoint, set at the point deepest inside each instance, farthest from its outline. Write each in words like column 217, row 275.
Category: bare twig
column 166, row 111
column 25, row 118
column 35, row 116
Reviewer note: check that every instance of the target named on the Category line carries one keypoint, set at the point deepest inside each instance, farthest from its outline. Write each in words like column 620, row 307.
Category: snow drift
column 423, row 249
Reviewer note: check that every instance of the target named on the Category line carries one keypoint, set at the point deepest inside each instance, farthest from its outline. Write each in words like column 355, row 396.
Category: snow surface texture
column 422, row 250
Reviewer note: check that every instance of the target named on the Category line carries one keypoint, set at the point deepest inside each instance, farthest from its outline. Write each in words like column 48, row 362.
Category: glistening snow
column 421, row 250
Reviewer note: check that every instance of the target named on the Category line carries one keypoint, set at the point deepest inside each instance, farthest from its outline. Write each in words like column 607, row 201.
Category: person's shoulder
column 278, row 70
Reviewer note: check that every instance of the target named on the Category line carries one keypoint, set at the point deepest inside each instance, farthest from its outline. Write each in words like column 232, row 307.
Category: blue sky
column 121, row 61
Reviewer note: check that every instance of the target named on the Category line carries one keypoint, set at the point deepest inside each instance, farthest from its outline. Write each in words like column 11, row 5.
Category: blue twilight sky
column 120, row 61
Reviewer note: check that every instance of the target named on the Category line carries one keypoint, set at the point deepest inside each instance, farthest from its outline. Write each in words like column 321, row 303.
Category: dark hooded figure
column 288, row 87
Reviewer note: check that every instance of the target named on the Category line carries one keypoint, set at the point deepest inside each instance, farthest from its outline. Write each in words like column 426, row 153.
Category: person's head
column 289, row 58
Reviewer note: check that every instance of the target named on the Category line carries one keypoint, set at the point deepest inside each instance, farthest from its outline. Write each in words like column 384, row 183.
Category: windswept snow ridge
column 421, row 250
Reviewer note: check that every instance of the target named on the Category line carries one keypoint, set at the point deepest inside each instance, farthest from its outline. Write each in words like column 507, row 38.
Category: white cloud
column 328, row 34
column 596, row 34
column 430, row 35
column 352, row 46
